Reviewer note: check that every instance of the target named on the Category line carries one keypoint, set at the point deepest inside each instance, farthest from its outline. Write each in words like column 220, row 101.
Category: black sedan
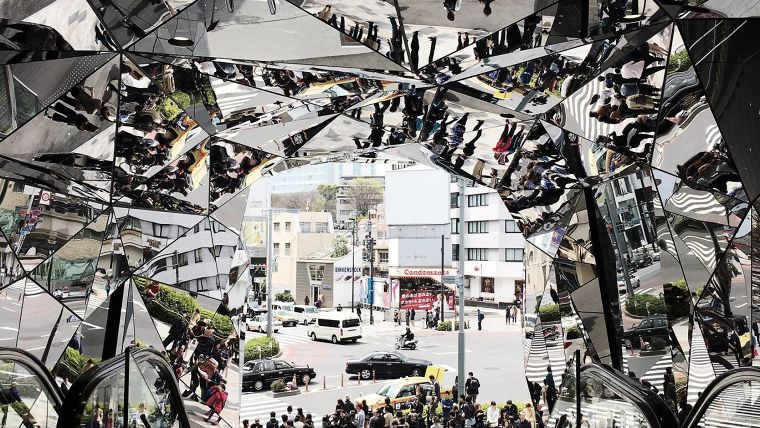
column 387, row 364
column 259, row 374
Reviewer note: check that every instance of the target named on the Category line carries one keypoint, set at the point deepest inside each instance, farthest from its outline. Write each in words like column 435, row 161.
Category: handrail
column 714, row 389
column 39, row 370
column 80, row 391
column 651, row 406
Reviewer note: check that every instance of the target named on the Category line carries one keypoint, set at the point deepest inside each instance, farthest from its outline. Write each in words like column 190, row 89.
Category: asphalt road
column 487, row 353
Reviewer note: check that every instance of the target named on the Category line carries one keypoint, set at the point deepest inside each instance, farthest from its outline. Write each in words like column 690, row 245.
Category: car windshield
column 310, row 310
column 389, row 390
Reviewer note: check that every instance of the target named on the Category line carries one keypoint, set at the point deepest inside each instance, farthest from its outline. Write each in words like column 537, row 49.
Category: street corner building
column 619, row 135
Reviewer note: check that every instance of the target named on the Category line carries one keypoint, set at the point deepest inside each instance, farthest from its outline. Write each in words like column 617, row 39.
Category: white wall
column 416, row 195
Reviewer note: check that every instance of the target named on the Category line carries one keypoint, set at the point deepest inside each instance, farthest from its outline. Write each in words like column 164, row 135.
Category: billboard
column 423, row 293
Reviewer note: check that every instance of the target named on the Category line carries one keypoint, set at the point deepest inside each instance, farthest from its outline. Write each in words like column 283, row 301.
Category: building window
column 471, row 183
column 287, row 226
column 383, row 256
column 513, row 254
column 218, row 250
column 510, row 226
column 486, row 285
column 477, row 254
column 345, row 212
column 454, row 225
column 321, row 227
column 454, row 200
column 287, row 248
column 305, row 226
column 479, row 200
column 276, row 248
column 198, row 255
column 455, row 252
column 477, row 226
column 276, row 226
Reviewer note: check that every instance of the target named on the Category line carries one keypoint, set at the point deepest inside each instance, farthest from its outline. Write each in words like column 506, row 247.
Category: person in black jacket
column 472, row 387
column 176, row 332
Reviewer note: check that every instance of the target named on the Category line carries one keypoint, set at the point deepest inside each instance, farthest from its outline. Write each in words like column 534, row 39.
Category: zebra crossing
column 701, row 371
column 255, row 406
column 578, row 106
column 601, row 413
column 655, row 374
column 542, row 353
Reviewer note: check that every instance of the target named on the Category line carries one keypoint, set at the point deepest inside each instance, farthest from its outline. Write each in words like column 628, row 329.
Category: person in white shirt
column 492, row 415
column 291, row 414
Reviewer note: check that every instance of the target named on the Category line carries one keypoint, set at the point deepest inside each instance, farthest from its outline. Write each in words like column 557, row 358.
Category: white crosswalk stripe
column 655, row 374
column 701, row 371
column 578, row 106
column 599, row 413
column 259, row 406
column 543, row 353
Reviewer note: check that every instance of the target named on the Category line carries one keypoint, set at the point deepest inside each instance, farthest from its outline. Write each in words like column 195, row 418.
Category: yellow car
column 402, row 392
column 287, row 318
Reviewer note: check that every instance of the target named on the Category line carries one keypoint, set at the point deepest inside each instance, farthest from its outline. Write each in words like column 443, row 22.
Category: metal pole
column 460, row 334
column 614, row 220
column 353, row 258
column 371, row 278
column 270, row 265
column 442, row 272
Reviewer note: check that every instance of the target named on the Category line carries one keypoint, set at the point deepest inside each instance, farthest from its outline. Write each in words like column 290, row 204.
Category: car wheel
column 354, row 340
column 305, row 379
column 415, row 372
column 260, row 330
column 334, row 339
column 365, row 374
column 314, row 336
column 258, row 385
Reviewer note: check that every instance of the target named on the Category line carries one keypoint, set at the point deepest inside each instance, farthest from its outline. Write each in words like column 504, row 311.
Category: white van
column 335, row 327
column 306, row 314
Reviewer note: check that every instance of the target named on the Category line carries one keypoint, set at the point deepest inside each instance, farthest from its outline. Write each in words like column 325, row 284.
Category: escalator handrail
column 82, row 388
column 44, row 376
column 654, row 409
column 714, row 389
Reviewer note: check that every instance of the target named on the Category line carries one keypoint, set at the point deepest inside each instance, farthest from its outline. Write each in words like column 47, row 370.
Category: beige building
column 296, row 236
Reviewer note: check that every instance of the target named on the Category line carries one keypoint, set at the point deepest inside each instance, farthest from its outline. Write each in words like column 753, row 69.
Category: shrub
column 657, row 343
column 574, row 333
column 278, row 386
column 222, row 324
column 285, row 296
column 71, row 363
column 549, row 313
column 269, row 348
column 645, row 304
column 444, row 326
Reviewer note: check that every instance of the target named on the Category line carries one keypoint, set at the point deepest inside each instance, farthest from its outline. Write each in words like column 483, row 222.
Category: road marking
column 92, row 326
column 741, row 306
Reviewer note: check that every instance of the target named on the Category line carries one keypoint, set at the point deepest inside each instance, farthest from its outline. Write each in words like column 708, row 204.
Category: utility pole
column 353, row 267
column 442, row 273
column 460, row 286
column 615, row 220
column 270, row 264
column 370, row 244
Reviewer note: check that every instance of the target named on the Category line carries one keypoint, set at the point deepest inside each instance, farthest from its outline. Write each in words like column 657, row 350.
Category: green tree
column 340, row 246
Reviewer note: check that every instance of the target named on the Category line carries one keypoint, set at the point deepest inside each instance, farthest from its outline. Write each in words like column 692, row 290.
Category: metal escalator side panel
column 732, row 399
column 26, row 386
column 102, row 392
column 621, row 399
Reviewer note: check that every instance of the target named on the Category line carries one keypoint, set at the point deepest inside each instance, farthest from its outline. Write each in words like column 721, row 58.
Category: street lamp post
column 370, row 243
column 353, row 261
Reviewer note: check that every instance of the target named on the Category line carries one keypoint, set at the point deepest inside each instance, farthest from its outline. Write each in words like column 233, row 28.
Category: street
column 486, row 352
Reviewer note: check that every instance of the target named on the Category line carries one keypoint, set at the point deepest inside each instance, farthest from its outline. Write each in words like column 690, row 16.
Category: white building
column 344, row 210
column 493, row 246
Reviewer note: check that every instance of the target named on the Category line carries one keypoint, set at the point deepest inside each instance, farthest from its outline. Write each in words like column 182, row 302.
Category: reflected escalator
column 731, row 400
column 29, row 396
column 136, row 389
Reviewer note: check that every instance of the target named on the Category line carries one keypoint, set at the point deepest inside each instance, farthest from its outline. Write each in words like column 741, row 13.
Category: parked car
column 401, row 392
column 259, row 374
column 387, row 364
column 529, row 325
column 335, row 327
column 635, row 282
column 287, row 318
column 642, row 260
column 259, row 323
column 653, row 326
column 306, row 314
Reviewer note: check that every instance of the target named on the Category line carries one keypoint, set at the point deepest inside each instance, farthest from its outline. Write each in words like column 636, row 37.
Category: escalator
column 136, row 389
column 602, row 397
column 29, row 396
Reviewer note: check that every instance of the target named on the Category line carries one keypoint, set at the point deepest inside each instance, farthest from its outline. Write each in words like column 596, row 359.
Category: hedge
column 549, row 313
column 285, row 296
column 574, row 333
column 444, row 326
column 251, row 353
column 71, row 363
column 170, row 304
column 637, row 305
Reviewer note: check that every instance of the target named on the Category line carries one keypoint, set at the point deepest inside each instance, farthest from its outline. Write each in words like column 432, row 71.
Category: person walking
column 513, row 314
column 508, row 314
column 411, row 317
column 359, row 312
column 472, row 387
column 407, row 315
column 176, row 331
column 480, row 320
column 436, row 388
